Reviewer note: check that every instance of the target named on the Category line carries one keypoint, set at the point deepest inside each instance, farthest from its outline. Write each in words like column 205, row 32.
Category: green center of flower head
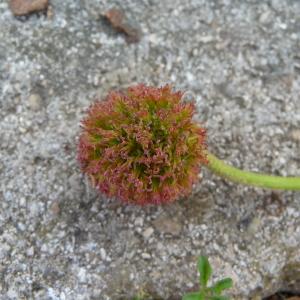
column 142, row 145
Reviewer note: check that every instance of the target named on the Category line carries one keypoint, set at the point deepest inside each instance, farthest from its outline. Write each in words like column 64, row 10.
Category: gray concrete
column 59, row 239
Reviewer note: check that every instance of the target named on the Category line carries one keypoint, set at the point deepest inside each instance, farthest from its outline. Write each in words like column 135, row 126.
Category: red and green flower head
column 142, row 146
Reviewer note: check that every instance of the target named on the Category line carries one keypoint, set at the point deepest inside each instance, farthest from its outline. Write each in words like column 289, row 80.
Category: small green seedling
column 213, row 292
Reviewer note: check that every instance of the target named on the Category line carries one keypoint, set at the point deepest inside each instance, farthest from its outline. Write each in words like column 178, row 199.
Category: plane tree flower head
column 142, row 145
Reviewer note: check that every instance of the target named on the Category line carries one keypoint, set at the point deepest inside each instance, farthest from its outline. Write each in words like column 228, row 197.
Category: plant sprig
column 206, row 292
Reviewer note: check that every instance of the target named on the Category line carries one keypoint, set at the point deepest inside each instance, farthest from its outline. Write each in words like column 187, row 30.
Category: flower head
column 142, row 145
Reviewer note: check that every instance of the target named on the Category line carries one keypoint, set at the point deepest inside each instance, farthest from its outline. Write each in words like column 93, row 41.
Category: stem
column 251, row 178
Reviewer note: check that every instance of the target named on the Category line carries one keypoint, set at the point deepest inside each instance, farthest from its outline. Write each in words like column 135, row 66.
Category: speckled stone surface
column 240, row 60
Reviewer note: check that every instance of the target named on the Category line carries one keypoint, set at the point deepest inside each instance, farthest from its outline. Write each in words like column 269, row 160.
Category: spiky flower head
column 142, row 145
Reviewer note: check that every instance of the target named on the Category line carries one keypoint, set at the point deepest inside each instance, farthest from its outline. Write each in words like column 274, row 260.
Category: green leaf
column 222, row 285
column 219, row 298
column 193, row 296
column 205, row 270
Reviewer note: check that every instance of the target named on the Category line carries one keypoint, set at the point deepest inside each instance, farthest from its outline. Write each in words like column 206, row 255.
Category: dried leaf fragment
column 25, row 7
column 120, row 23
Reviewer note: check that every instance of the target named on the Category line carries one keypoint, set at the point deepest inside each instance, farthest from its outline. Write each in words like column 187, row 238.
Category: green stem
column 251, row 178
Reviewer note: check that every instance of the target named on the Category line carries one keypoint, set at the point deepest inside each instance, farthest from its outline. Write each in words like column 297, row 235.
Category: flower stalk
column 226, row 171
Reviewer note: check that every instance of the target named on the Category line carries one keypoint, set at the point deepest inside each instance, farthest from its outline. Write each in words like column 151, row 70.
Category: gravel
column 59, row 239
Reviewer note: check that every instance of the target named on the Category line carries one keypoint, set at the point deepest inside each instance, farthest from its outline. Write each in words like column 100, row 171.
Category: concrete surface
column 240, row 60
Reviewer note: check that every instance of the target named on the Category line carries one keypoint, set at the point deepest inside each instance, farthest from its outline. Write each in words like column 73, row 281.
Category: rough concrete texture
column 59, row 239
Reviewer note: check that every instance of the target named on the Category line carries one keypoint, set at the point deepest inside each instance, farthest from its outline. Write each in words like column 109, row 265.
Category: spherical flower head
column 142, row 145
